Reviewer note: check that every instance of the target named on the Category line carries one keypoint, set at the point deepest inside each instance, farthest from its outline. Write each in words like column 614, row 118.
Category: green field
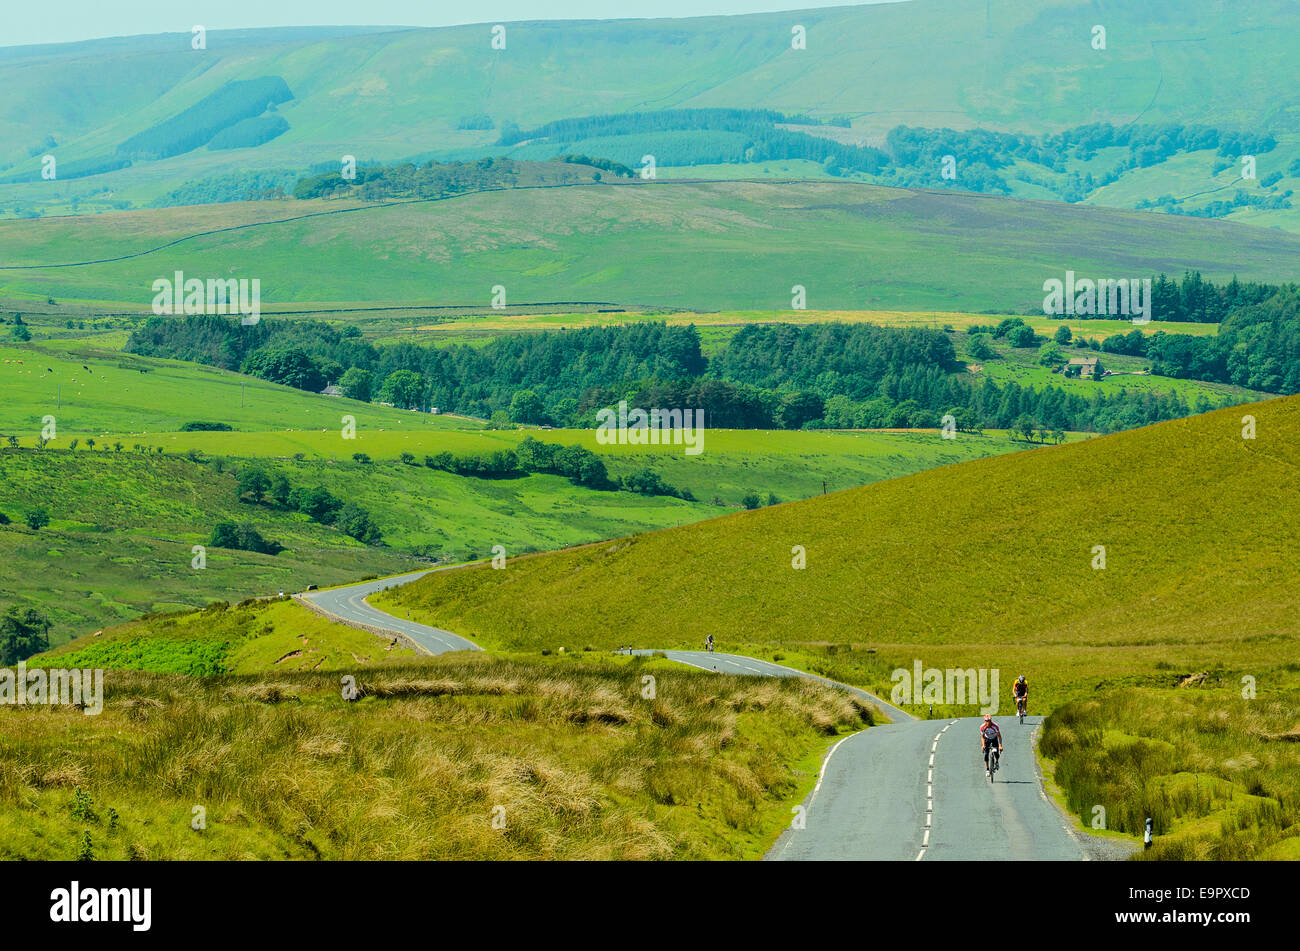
column 696, row 246
column 92, row 391
column 485, row 326
column 114, row 403
column 787, row 464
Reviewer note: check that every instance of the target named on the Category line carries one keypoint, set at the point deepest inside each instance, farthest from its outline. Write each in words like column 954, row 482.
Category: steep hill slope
column 1197, row 523
column 940, row 62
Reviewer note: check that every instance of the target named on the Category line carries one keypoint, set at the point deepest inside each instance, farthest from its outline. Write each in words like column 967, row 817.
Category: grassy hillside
column 254, row 637
column 569, row 758
column 1024, row 63
column 986, row 564
column 122, row 527
column 705, row 246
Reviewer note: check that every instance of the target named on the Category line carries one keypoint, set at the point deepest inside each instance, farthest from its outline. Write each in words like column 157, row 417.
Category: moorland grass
column 571, row 762
column 1219, row 774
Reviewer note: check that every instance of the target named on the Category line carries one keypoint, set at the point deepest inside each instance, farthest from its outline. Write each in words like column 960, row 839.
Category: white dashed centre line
column 929, row 795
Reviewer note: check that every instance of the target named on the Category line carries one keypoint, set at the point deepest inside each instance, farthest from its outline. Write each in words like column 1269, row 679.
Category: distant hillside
column 1020, row 66
column 724, row 245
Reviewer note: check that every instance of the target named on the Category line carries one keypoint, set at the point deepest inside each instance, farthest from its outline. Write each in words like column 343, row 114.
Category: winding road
column 348, row 604
column 909, row 790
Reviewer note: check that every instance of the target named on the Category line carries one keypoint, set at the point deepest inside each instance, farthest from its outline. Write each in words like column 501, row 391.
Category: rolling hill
column 721, row 245
column 986, row 563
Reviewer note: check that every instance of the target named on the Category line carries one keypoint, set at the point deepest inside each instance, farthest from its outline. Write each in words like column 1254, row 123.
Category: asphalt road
column 917, row 790
column 909, row 790
column 349, row 604
column 753, row 667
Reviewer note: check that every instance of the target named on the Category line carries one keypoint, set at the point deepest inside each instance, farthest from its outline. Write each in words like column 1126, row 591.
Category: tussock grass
column 1214, row 771
column 573, row 760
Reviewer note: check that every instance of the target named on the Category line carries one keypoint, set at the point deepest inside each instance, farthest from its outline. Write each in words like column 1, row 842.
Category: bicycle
column 993, row 762
column 1022, row 706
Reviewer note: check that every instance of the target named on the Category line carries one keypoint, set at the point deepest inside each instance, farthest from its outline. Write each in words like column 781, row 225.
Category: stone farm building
column 1085, row 368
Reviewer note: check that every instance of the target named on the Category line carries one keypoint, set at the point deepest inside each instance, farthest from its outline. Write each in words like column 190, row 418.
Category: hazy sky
column 36, row 21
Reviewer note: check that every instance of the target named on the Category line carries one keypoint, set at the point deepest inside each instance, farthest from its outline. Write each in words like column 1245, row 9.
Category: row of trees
column 920, row 398
column 434, row 179
column 479, row 381
column 229, row 186
column 767, row 376
column 701, row 136
column 578, row 464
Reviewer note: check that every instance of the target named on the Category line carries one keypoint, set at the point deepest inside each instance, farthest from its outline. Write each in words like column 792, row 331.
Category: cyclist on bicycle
column 989, row 734
column 708, row 643
column 1021, row 692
